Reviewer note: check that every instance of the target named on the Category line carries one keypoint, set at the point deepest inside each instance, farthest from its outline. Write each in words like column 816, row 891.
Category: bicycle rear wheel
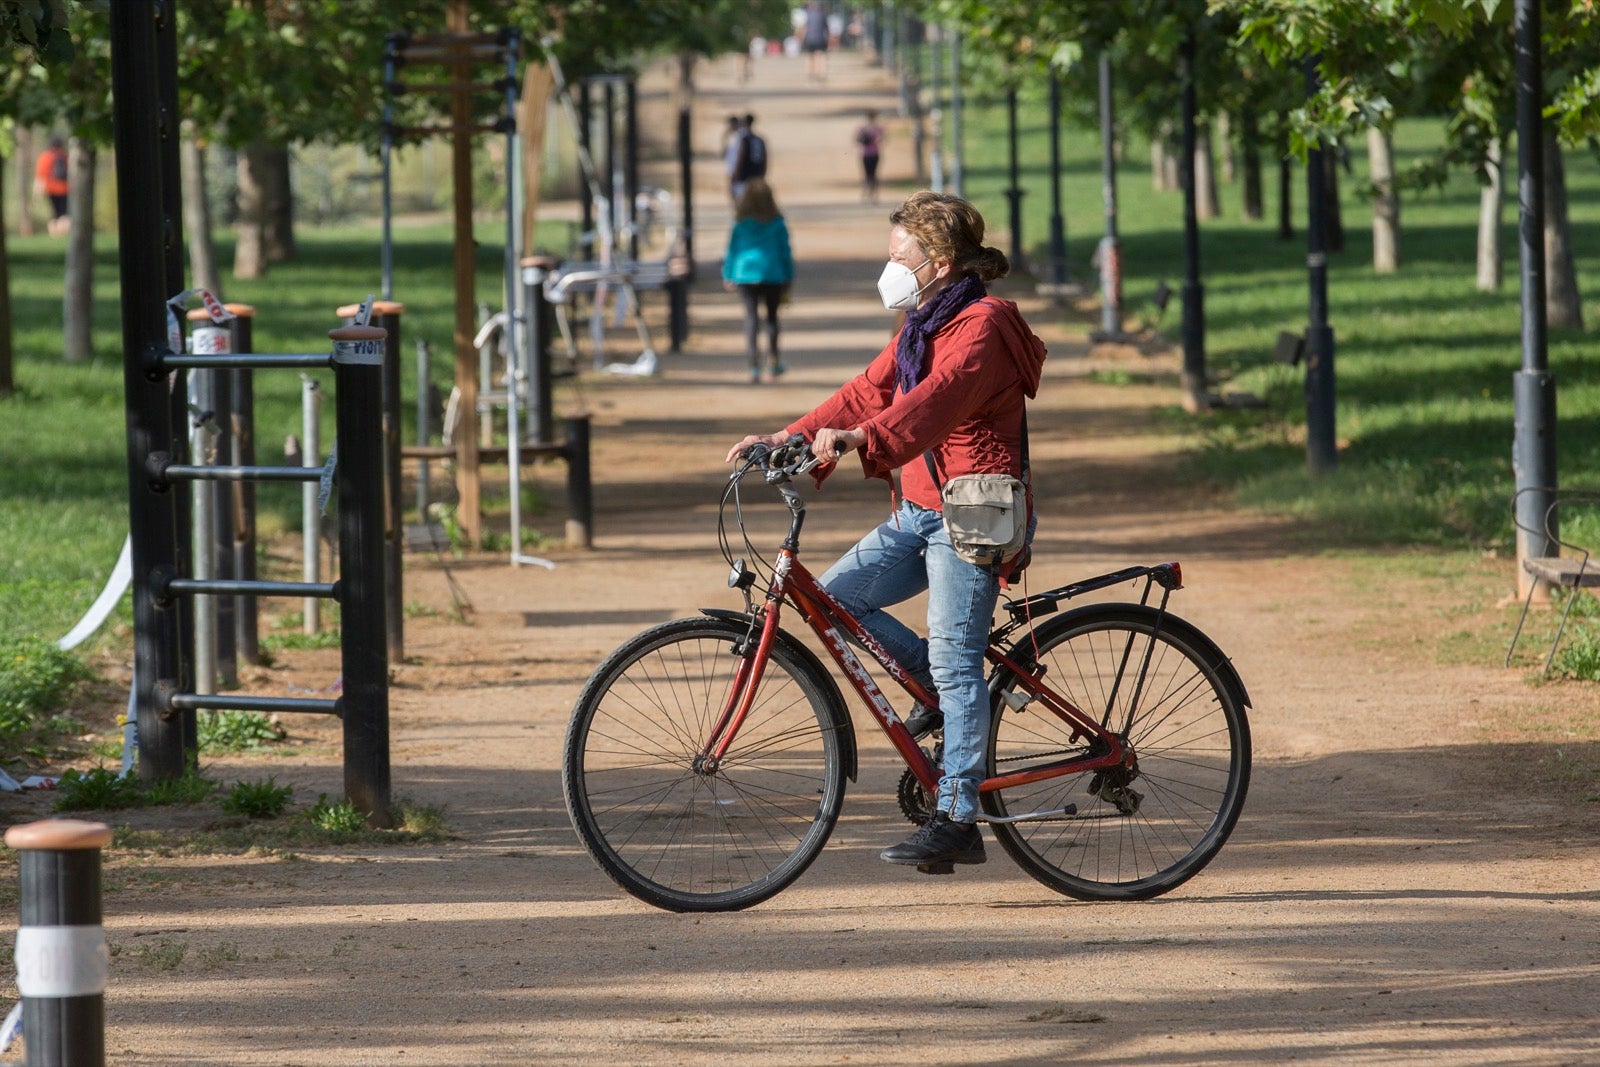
column 680, row 838
column 1138, row 831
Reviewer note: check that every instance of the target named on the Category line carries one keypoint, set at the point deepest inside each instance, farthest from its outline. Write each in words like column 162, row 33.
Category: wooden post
column 468, row 481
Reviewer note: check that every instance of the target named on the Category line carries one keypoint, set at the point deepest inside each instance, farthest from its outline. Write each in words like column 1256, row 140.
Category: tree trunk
column 1250, row 164
column 1224, row 137
column 1164, row 160
column 77, row 303
column 277, row 224
column 1285, row 186
column 249, row 254
column 1385, row 202
column 27, row 225
column 1563, row 309
column 1491, row 273
column 1331, row 210
column 1205, row 174
column 8, row 381
column 197, row 220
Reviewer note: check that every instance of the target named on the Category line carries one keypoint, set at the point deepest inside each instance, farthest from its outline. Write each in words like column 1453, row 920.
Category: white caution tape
column 175, row 307
column 62, row 961
column 116, row 585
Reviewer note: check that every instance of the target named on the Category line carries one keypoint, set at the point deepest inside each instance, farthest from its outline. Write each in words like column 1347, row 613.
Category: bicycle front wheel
column 1142, row 829
column 671, row 833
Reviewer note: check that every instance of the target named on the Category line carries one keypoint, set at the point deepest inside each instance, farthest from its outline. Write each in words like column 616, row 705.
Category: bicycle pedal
column 941, row 867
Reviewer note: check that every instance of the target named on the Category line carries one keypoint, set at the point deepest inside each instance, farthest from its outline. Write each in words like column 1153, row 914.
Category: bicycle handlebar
column 780, row 463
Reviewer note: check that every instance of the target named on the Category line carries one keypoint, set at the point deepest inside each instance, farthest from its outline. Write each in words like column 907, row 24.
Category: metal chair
column 1572, row 571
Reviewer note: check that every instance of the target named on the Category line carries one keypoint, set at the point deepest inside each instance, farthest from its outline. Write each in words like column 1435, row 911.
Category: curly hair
column 950, row 229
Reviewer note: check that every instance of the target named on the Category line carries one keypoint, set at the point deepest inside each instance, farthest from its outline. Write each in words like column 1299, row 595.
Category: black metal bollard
column 386, row 315
column 246, row 619
column 536, row 343
column 358, row 353
column 680, row 272
column 214, row 388
column 580, row 489
column 61, row 956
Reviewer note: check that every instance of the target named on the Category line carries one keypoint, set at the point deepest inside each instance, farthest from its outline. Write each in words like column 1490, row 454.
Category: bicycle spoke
column 692, row 835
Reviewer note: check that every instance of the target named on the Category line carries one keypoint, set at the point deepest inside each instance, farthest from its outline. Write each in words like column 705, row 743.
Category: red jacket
column 44, row 172
column 968, row 410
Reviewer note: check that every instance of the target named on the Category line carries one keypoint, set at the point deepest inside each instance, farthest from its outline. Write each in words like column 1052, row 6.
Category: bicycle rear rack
column 1168, row 576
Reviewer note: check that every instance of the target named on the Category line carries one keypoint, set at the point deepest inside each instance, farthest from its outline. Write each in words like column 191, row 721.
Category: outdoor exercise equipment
column 155, row 370
column 459, row 52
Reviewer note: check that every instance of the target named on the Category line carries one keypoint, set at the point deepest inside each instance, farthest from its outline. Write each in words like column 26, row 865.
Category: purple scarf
column 911, row 354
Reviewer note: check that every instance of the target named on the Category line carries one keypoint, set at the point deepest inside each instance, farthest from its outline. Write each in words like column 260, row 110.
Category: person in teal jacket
column 760, row 265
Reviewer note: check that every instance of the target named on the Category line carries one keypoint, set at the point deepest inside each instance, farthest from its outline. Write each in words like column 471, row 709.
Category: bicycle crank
column 916, row 803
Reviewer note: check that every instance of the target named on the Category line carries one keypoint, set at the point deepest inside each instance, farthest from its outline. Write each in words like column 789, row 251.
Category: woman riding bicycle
column 943, row 400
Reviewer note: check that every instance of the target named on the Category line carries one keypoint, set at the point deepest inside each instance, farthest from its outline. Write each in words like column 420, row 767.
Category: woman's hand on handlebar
column 771, row 440
column 829, row 444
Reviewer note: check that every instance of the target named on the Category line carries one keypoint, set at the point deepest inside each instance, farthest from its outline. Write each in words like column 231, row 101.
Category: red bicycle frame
column 827, row 617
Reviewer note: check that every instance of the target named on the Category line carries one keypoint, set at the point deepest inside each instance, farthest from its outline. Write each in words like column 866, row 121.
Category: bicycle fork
column 741, row 696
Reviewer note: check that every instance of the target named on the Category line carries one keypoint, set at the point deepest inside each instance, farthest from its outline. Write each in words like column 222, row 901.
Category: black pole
column 394, row 534
column 686, row 182
column 222, row 530
column 358, row 353
column 1321, row 449
column 61, row 957
column 608, row 131
column 580, row 488
column 536, row 342
column 630, row 164
column 1285, row 184
column 173, row 265
column 246, row 619
column 159, row 662
column 1533, row 453
column 586, row 142
column 1058, row 226
column 1194, row 294
column 1014, row 194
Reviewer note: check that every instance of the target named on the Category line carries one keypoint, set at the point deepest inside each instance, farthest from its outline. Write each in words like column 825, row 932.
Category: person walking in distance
column 869, row 139
column 749, row 157
column 814, row 41
column 50, row 182
column 760, row 265
column 944, row 399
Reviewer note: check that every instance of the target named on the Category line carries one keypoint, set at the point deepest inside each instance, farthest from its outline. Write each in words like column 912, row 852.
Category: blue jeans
column 894, row 563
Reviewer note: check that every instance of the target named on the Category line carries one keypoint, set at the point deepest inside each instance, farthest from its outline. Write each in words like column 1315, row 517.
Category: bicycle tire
column 679, row 839
column 1133, row 836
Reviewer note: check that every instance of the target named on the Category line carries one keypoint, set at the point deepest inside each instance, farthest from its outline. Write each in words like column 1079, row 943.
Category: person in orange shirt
column 50, row 180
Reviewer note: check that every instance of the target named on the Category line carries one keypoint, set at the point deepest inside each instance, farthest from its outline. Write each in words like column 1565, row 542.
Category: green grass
column 1423, row 360
column 63, row 513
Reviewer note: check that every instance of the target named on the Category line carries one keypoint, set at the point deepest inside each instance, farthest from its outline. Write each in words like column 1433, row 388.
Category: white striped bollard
column 61, row 956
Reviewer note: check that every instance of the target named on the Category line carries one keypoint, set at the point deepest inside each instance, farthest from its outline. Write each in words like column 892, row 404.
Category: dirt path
column 1401, row 890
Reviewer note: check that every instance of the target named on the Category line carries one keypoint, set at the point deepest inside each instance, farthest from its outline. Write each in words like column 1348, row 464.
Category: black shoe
column 924, row 720
column 938, row 842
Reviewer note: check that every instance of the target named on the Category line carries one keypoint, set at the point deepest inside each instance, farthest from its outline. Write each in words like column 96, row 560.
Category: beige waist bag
column 986, row 516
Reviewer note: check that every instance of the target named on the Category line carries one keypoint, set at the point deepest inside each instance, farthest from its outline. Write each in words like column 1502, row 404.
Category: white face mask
column 898, row 287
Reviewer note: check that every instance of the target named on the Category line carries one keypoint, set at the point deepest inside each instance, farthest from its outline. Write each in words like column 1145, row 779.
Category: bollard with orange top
column 61, row 956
